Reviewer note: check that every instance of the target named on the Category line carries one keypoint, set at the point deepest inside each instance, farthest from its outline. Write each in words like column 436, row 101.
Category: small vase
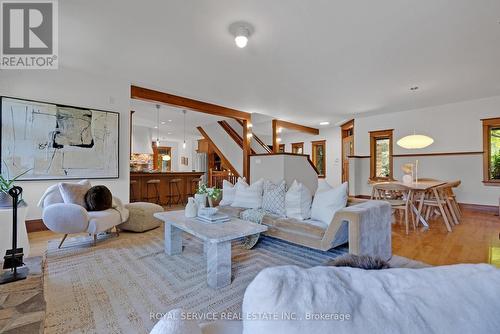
column 6, row 200
column 191, row 210
column 201, row 200
column 210, row 203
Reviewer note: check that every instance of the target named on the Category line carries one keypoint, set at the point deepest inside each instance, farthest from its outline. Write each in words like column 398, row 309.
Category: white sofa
column 461, row 298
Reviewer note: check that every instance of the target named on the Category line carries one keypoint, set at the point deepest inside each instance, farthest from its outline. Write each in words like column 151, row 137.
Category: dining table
column 418, row 189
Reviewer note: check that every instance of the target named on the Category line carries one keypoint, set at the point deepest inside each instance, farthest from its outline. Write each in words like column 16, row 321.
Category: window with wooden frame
column 319, row 157
column 381, row 155
column 298, row 148
column 491, row 151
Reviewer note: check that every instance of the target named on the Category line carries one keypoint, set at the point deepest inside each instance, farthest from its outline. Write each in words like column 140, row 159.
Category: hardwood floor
column 475, row 240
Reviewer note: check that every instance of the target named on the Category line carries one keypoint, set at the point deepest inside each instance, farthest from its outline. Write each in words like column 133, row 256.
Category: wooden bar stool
column 155, row 183
column 194, row 186
column 174, row 191
column 132, row 192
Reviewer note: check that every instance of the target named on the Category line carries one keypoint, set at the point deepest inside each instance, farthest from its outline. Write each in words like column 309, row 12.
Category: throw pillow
column 74, row 193
column 175, row 322
column 228, row 192
column 248, row 196
column 298, row 201
column 98, row 198
column 327, row 201
column 273, row 200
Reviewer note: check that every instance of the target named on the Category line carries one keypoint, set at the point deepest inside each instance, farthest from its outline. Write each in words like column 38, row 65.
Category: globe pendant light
column 415, row 141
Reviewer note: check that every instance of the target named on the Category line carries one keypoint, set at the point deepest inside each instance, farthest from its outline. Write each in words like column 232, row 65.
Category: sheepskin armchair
column 68, row 218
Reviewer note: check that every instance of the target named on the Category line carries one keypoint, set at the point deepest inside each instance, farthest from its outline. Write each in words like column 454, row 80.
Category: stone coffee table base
column 216, row 241
column 218, row 256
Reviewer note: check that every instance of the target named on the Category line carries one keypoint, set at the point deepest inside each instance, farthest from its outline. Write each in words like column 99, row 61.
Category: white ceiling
column 308, row 61
column 173, row 128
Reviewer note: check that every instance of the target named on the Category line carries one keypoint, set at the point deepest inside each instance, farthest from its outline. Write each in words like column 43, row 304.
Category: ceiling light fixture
column 324, row 123
column 241, row 32
column 415, row 141
column 184, row 143
column 157, row 127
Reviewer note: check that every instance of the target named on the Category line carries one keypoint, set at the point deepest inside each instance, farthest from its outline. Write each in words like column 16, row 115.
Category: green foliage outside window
column 495, row 154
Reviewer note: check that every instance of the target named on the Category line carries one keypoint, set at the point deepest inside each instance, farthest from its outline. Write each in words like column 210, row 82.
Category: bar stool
column 155, row 183
column 194, row 186
column 174, row 185
column 132, row 192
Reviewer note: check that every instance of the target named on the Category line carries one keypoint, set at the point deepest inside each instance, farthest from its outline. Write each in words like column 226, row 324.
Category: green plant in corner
column 6, row 183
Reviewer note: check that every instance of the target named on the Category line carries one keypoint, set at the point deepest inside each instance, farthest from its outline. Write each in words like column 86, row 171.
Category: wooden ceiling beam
column 149, row 95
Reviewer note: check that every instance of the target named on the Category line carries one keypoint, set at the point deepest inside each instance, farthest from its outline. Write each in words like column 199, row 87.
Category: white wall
column 333, row 150
column 454, row 127
column 228, row 147
column 283, row 167
column 70, row 87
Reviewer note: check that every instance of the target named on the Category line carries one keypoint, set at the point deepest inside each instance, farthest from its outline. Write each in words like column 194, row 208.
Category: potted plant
column 6, row 183
column 205, row 192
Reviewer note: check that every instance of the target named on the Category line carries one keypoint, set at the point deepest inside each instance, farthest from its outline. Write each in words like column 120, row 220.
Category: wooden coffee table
column 216, row 239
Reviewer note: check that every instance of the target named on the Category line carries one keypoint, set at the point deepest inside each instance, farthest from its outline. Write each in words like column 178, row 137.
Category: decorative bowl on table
column 207, row 211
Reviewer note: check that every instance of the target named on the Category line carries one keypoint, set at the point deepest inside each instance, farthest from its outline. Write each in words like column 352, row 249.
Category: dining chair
column 437, row 202
column 398, row 196
column 452, row 198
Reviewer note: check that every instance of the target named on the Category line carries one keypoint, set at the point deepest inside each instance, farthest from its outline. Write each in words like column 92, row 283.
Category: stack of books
column 213, row 219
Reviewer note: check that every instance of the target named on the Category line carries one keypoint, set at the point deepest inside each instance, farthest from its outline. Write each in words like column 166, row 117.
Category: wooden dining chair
column 452, row 198
column 398, row 196
column 436, row 204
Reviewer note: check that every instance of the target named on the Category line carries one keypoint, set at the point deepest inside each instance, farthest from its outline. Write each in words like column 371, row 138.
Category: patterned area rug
column 120, row 285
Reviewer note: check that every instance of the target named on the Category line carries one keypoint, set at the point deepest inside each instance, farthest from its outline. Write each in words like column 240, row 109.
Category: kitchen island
column 140, row 191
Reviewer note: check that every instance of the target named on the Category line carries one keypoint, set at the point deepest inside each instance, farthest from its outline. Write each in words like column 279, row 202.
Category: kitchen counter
column 140, row 191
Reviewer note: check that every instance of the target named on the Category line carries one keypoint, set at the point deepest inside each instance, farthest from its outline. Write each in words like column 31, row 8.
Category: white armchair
column 66, row 218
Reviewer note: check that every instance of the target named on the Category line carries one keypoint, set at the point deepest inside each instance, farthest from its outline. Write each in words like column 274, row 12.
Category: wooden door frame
column 313, row 155
column 344, row 133
column 154, row 96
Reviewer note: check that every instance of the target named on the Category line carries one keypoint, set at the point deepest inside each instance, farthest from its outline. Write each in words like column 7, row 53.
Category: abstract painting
column 58, row 142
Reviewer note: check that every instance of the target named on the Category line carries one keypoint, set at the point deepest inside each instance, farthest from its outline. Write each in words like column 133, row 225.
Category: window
column 381, row 155
column 491, row 151
column 319, row 157
column 298, row 148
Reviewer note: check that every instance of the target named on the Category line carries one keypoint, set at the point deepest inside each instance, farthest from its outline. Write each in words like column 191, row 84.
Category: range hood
column 141, row 140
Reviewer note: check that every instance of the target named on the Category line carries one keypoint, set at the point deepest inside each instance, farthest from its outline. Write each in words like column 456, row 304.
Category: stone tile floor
column 22, row 304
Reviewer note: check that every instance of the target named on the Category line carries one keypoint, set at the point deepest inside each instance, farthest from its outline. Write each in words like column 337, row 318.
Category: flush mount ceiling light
column 324, row 123
column 241, row 31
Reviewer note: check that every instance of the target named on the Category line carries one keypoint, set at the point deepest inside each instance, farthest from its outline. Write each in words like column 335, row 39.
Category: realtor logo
column 29, row 35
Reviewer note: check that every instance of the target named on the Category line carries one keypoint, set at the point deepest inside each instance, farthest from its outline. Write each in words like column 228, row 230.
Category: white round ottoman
column 141, row 217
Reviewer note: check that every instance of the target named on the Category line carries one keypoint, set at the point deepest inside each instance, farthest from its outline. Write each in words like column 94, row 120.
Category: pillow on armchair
column 98, row 198
column 74, row 193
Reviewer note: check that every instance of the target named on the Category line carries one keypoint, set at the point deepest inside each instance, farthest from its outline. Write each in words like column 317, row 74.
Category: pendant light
column 415, row 141
column 184, row 143
column 157, row 125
